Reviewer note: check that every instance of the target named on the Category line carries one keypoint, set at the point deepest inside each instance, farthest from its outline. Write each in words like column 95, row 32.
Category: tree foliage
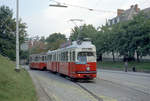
column 128, row 38
column 7, row 32
column 55, row 40
column 83, row 32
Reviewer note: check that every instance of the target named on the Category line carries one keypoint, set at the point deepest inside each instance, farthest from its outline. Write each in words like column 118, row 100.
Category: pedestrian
column 126, row 66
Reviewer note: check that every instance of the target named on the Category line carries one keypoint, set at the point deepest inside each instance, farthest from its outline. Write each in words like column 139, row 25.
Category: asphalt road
column 109, row 86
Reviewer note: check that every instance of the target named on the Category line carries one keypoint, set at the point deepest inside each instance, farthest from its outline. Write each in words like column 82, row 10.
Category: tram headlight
column 87, row 68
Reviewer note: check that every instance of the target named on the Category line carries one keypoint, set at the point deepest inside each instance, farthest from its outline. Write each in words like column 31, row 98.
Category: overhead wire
column 82, row 7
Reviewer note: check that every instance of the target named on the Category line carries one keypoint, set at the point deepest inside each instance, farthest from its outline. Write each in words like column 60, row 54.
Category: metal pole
column 17, row 36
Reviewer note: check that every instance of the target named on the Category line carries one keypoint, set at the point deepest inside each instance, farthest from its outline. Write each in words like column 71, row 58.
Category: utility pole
column 17, row 36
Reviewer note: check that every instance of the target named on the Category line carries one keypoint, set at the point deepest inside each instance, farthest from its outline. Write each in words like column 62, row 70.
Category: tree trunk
column 100, row 58
column 113, row 56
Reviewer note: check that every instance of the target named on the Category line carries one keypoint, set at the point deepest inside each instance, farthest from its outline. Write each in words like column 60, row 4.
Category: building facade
column 124, row 15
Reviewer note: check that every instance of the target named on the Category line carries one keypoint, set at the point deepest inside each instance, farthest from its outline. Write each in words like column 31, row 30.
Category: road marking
column 105, row 98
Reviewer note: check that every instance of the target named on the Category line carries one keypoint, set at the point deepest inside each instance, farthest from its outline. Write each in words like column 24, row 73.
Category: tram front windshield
column 86, row 56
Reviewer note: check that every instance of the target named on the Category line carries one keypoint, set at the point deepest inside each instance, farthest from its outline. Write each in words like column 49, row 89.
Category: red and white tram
column 77, row 60
column 38, row 61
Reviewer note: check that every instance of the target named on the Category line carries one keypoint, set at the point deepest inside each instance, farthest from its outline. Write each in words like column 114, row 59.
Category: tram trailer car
column 77, row 60
column 38, row 61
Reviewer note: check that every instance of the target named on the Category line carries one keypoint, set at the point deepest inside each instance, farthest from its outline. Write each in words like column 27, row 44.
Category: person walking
column 126, row 66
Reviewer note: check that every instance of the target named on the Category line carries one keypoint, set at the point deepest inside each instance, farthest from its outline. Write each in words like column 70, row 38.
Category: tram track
column 43, row 90
column 125, row 86
column 129, row 73
column 86, row 88
column 88, row 91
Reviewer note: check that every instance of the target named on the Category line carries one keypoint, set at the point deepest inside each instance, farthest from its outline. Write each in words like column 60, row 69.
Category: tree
column 55, row 40
column 132, row 37
column 140, row 35
column 85, row 31
column 7, row 32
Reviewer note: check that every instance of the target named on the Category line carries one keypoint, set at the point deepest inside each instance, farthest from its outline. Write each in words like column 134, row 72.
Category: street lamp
column 58, row 5
column 17, row 36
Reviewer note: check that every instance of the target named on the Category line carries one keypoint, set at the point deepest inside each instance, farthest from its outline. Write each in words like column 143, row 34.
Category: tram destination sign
column 86, row 49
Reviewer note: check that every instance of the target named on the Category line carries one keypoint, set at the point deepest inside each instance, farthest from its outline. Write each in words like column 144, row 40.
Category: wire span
column 90, row 9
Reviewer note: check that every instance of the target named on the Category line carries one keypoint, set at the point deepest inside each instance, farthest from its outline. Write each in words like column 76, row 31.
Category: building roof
column 125, row 15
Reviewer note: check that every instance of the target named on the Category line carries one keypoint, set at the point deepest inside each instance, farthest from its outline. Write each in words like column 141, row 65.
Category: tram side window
column 48, row 57
column 54, row 57
column 62, row 56
column 43, row 58
column 66, row 56
column 73, row 56
column 39, row 58
column 59, row 57
column 70, row 56
column 30, row 59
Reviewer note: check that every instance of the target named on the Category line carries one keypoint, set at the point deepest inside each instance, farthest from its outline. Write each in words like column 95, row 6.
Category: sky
column 43, row 20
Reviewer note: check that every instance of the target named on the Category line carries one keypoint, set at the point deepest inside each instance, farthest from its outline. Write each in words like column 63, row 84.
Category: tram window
column 59, row 57
column 50, row 57
column 42, row 58
column 45, row 58
column 85, row 54
column 30, row 58
column 70, row 57
column 63, row 56
column 66, row 56
column 73, row 56
column 54, row 57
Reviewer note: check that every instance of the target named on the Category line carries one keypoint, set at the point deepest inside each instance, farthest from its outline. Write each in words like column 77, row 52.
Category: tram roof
column 84, row 44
